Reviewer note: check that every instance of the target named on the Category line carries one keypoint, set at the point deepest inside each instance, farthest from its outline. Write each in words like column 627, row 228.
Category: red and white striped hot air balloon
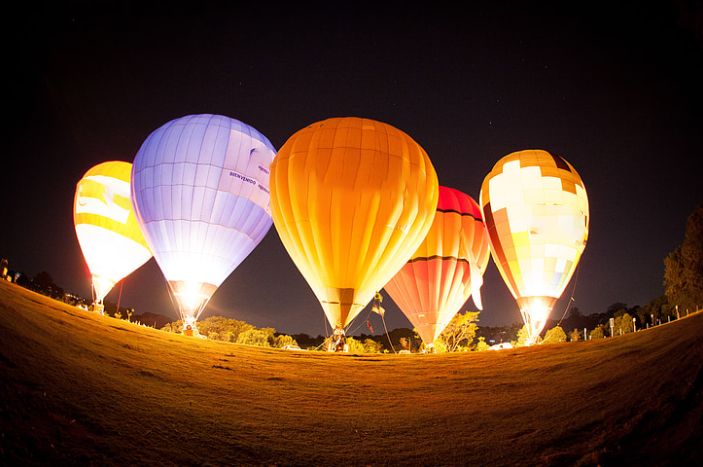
column 446, row 269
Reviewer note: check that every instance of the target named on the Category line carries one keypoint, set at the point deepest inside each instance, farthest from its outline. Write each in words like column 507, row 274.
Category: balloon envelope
column 351, row 199
column 447, row 267
column 112, row 243
column 200, row 186
column 536, row 211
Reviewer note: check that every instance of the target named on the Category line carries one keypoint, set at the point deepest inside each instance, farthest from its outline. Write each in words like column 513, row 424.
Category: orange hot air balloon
column 536, row 212
column 446, row 269
column 351, row 199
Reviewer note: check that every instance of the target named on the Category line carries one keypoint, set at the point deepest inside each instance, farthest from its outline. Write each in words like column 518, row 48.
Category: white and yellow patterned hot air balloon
column 536, row 211
column 110, row 237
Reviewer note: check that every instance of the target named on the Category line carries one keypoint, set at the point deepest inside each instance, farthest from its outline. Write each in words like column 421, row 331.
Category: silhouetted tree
column 623, row 324
column 412, row 338
column 23, row 280
column 308, row 342
column 617, row 308
column 683, row 267
column 575, row 313
column 44, row 284
column 655, row 309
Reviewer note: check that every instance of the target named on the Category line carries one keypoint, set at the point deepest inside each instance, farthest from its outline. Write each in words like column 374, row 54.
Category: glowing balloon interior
column 112, row 243
column 351, row 199
column 201, row 193
column 536, row 210
column 446, row 269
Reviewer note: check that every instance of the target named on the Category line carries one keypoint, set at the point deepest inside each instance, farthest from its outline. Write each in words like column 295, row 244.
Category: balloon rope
column 92, row 288
column 174, row 302
column 571, row 298
column 389, row 337
column 360, row 321
column 119, row 297
column 318, row 347
column 324, row 323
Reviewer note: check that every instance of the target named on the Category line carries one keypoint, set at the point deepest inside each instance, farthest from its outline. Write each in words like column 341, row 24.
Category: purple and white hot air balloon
column 200, row 189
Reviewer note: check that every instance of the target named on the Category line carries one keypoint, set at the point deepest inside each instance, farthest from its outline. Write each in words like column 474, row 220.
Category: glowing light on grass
column 536, row 211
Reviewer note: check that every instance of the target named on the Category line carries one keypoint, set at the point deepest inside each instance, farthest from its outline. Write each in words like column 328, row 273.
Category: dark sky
column 617, row 91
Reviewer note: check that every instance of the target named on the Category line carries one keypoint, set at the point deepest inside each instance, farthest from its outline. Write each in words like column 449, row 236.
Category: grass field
column 84, row 389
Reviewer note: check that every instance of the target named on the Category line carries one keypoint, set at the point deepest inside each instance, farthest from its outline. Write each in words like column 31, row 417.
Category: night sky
column 617, row 91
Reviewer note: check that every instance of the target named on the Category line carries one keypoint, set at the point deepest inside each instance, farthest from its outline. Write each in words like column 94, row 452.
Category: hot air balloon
column 351, row 199
column 112, row 243
column 536, row 211
column 446, row 269
column 201, row 194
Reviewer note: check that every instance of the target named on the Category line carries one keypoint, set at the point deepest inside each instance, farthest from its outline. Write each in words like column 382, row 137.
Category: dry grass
column 82, row 389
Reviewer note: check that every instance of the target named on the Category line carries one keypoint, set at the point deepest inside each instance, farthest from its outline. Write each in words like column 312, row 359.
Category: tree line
column 43, row 283
column 221, row 328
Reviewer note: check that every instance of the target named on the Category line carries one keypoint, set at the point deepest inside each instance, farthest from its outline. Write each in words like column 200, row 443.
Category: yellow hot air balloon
column 536, row 211
column 351, row 199
column 112, row 243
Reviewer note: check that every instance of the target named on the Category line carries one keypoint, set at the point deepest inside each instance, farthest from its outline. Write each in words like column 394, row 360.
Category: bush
column 554, row 336
column 257, row 337
column 222, row 328
column 522, row 336
column 371, row 346
column 575, row 335
column 176, row 327
column 354, row 345
column 481, row 345
column 283, row 340
column 598, row 332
